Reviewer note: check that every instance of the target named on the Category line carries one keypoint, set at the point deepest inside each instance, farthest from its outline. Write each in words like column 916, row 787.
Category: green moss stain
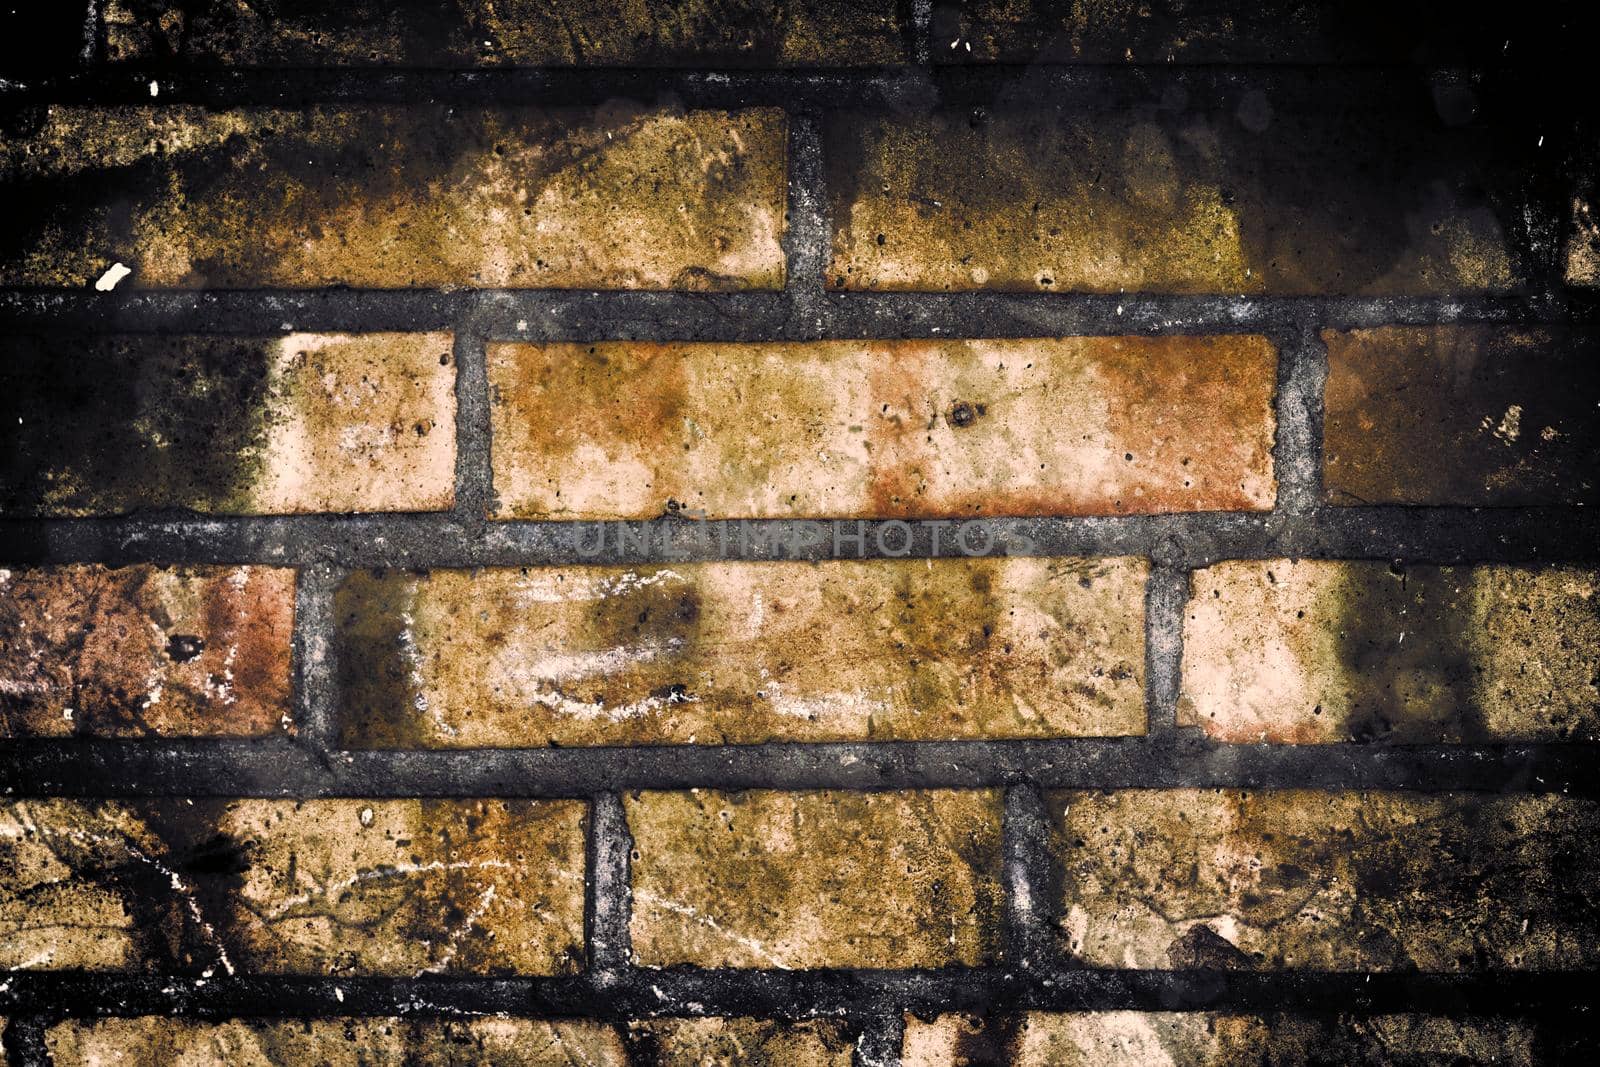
column 378, row 690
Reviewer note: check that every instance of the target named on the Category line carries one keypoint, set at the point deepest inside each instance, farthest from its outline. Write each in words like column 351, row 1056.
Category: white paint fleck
column 114, row 274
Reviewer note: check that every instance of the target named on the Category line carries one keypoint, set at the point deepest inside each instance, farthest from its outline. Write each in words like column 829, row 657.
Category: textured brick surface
column 145, row 651
column 743, row 653
column 1479, row 416
column 738, row 1043
column 1322, row 650
column 588, row 33
column 616, row 197
column 299, row 423
column 1327, row 881
column 320, row 887
column 1127, row 1039
column 817, row 879
column 1273, row 195
column 1078, row 426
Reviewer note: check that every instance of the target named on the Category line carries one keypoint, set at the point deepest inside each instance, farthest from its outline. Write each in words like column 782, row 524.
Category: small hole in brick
column 184, row 647
column 964, row 414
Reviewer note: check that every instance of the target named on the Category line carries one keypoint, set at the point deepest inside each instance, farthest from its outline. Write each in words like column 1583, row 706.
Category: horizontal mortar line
column 279, row 767
column 1443, row 535
column 851, row 994
column 590, row 315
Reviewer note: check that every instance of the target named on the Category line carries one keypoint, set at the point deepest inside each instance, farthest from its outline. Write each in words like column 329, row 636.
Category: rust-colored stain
column 798, row 880
column 741, row 653
column 616, row 197
column 884, row 429
column 1470, row 415
column 145, row 651
column 1094, row 1039
column 1327, row 881
column 1270, row 195
column 1321, row 651
column 308, row 887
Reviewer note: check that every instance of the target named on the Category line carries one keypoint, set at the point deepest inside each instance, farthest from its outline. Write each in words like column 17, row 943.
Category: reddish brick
column 743, row 653
column 928, row 429
column 806, row 880
column 1327, row 881
column 1322, row 650
column 145, row 651
column 1478, row 416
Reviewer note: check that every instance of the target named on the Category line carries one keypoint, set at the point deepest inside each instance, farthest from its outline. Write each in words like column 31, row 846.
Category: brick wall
column 842, row 532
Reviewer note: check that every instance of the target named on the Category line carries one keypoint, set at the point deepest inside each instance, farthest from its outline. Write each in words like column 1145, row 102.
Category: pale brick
column 1320, row 651
column 145, row 651
column 738, row 1043
column 927, row 429
column 815, row 879
column 740, row 653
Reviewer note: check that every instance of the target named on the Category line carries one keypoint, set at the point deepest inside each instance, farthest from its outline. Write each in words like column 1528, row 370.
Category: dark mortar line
column 1500, row 87
column 315, row 691
column 278, row 767
column 1030, row 881
column 879, row 1041
column 593, row 315
column 1297, row 452
column 1166, row 596
column 808, row 234
column 474, row 478
column 608, row 901
column 860, row 995
column 94, row 44
column 24, row 1044
column 1186, row 540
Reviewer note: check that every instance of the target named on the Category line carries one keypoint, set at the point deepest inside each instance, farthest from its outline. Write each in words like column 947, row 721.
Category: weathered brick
column 1080, row 426
column 1478, row 416
column 1333, row 881
column 1268, row 194
column 1224, row 31
column 653, row 33
column 1193, row 1039
column 334, row 887
column 299, row 423
column 394, row 198
column 738, row 1043
column 1322, row 650
column 145, row 651
column 742, row 653
column 816, row 879
column 161, row 1042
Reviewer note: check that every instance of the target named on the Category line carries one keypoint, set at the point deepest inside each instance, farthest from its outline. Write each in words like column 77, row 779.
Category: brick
column 298, row 423
column 480, row 33
column 742, row 653
column 1277, row 194
column 316, row 887
column 614, row 197
column 1318, row 651
column 1223, row 31
column 928, row 429
column 1192, row 1039
column 739, row 1043
column 159, row 1042
column 145, row 651
column 815, row 879
column 1470, row 415
column 1327, row 881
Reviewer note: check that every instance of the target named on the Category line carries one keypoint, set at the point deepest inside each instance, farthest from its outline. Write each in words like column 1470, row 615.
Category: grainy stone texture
column 299, row 423
column 816, row 879
column 1224, row 31
column 1176, row 1039
column 145, row 651
column 1478, row 416
column 159, row 1042
column 738, row 1043
column 742, row 653
column 320, row 887
column 614, row 197
column 587, row 33
column 1321, row 650
column 1297, row 879
column 1074, row 426
column 1273, row 195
